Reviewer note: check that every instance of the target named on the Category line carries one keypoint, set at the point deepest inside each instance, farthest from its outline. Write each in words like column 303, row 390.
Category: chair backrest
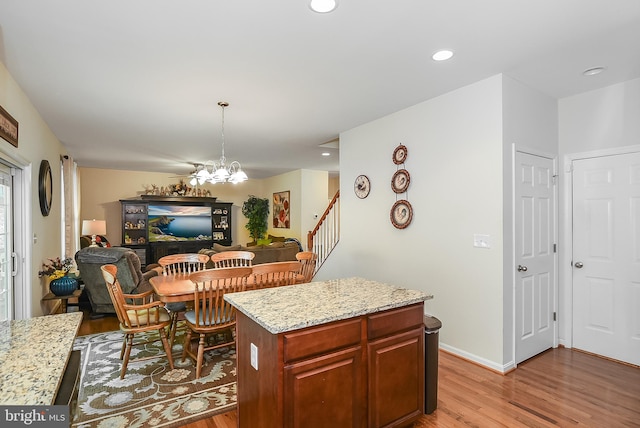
column 109, row 273
column 267, row 275
column 183, row 263
column 210, row 287
column 226, row 259
column 308, row 261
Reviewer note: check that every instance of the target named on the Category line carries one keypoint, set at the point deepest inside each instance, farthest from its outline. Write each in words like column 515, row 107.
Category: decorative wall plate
column 362, row 186
column 401, row 214
column 45, row 187
column 400, row 181
column 399, row 154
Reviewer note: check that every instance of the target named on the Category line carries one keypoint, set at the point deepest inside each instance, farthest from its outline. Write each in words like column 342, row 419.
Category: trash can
column 432, row 326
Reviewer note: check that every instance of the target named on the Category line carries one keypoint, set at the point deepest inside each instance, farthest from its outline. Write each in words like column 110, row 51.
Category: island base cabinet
column 327, row 391
column 365, row 371
column 396, row 379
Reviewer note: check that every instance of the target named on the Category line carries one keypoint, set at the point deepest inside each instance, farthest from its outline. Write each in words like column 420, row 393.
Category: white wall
column 606, row 119
column 455, row 160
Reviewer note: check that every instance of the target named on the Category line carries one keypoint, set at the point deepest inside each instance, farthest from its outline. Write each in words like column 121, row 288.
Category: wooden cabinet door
column 326, row 392
column 396, row 379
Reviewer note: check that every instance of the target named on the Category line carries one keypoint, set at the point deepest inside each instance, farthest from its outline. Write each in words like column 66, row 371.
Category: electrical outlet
column 254, row 356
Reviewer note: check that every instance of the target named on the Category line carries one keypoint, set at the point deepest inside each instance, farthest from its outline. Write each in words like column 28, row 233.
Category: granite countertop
column 298, row 306
column 33, row 357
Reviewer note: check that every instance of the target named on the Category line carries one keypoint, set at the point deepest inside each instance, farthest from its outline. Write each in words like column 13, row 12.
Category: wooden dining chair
column 176, row 264
column 267, row 275
column 137, row 313
column 211, row 314
column 232, row 259
column 308, row 262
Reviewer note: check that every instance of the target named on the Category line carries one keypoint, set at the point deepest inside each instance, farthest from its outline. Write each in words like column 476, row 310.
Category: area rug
column 151, row 394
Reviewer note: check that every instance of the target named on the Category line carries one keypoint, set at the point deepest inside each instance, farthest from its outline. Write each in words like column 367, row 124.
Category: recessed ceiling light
column 326, row 154
column 593, row 71
column 323, row 6
column 442, row 55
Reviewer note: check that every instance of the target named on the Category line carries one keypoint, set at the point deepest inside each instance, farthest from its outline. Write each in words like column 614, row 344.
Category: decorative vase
column 63, row 286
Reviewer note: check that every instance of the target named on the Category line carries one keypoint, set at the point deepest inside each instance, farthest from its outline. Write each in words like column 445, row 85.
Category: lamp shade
column 94, row 227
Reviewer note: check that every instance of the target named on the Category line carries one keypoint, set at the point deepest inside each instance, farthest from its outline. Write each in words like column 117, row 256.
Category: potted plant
column 257, row 211
column 57, row 270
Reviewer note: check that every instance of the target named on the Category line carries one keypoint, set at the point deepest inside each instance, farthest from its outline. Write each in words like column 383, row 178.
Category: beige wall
column 36, row 142
column 102, row 189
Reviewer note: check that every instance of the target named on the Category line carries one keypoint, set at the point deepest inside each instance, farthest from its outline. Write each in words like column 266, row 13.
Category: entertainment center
column 156, row 226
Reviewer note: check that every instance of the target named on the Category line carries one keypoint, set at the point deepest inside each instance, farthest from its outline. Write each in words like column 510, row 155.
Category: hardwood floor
column 558, row 388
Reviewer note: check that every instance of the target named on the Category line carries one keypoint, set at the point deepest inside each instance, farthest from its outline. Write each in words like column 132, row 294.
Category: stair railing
column 325, row 236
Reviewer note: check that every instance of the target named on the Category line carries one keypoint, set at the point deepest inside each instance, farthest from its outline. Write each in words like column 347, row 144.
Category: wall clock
column 362, row 186
column 45, row 187
column 401, row 214
column 400, row 154
column 400, row 181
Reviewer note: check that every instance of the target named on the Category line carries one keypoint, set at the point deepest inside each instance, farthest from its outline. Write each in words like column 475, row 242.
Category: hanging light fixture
column 219, row 172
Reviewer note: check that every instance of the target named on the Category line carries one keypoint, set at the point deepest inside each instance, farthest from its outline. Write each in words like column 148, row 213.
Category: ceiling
column 135, row 84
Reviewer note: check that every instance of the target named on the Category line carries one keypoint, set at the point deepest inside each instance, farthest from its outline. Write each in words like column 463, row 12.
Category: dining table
column 173, row 288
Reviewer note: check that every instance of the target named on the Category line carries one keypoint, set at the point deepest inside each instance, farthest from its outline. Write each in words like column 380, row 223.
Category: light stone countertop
column 298, row 306
column 33, row 357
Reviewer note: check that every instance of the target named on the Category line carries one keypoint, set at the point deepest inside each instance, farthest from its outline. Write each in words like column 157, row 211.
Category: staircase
column 325, row 236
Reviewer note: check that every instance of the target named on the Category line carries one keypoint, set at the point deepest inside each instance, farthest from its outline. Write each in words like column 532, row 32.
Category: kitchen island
column 347, row 352
column 34, row 356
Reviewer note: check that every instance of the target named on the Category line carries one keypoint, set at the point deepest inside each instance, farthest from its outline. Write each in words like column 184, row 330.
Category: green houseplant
column 257, row 211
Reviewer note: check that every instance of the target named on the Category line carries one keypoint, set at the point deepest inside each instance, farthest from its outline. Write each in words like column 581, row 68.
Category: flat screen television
column 168, row 223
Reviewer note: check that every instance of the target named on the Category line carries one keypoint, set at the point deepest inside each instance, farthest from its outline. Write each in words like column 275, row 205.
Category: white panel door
column 606, row 256
column 535, row 279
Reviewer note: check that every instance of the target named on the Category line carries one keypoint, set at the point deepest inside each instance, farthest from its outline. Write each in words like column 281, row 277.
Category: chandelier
column 219, row 172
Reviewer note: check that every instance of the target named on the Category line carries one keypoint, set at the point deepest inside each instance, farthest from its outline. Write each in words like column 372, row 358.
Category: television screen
column 179, row 223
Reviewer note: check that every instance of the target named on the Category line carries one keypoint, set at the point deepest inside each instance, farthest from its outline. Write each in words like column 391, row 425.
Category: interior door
column 606, row 256
column 6, row 245
column 535, row 259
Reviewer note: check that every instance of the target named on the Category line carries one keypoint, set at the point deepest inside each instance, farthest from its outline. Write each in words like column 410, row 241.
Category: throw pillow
column 276, row 238
column 276, row 245
column 264, row 241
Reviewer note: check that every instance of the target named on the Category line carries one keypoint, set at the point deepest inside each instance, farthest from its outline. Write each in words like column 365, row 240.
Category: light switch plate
column 481, row 241
column 254, row 356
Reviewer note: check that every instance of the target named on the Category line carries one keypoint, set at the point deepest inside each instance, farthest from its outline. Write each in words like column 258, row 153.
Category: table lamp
column 94, row 227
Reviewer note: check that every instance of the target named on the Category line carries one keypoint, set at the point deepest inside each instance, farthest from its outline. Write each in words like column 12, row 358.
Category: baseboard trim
column 482, row 362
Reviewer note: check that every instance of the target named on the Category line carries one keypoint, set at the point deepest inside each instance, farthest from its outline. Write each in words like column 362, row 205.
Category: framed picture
column 281, row 210
column 8, row 127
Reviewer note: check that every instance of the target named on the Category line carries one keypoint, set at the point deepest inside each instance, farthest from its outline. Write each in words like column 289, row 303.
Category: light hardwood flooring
column 558, row 388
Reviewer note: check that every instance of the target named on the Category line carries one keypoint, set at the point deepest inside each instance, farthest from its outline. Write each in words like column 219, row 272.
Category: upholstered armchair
column 130, row 276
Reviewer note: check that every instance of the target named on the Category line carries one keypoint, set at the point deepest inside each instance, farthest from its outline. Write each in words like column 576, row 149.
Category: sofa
column 130, row 275
column 274, row 252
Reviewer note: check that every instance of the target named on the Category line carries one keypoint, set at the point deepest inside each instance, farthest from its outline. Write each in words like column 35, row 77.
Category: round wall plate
column 45, row 187
column 362, row 186
column 400, row 154
column 400, row 181
column 401, row 214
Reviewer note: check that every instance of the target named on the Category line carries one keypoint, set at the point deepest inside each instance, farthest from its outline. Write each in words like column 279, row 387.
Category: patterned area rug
column 151, row 394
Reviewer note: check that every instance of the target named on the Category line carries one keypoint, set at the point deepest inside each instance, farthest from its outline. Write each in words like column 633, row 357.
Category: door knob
column 522, row 268
column 578, row 265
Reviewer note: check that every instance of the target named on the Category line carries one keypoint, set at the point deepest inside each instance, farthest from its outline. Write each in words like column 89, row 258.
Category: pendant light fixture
column 219, row 172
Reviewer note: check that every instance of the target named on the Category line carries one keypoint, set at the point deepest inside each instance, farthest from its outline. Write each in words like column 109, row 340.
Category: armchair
column 130, row 275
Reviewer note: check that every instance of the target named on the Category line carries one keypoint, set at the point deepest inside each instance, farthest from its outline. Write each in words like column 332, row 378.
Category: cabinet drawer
column 321, row 339
column 394, row 320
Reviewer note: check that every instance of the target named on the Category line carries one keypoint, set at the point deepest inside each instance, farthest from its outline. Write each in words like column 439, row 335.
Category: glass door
column 6, row 245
